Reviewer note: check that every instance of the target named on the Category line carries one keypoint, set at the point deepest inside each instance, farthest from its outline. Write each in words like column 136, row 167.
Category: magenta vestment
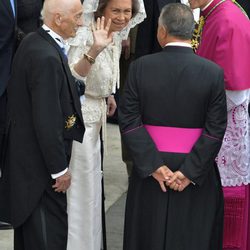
column 226, row 41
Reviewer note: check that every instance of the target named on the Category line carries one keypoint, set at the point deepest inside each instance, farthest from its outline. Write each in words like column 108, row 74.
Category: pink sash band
column 172, row 139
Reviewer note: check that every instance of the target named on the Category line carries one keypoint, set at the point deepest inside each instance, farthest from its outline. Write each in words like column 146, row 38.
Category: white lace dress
column 85, row 195
column 234, row 157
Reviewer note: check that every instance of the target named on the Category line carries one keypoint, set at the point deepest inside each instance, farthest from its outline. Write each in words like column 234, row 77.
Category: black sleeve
column 202, row 156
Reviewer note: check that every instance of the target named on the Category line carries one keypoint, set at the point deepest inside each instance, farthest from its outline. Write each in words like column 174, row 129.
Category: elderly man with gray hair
column 44, row 118
column 172, row 118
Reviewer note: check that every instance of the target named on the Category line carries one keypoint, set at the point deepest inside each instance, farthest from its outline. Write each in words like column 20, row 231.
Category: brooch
column 70, row 122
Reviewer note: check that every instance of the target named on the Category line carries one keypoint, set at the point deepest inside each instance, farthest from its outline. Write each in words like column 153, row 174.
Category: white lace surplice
column 234, row 157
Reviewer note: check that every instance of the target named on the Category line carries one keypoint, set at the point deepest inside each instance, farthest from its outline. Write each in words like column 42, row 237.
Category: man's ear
column 58, row 19
column 161, row 35
column 163, row 31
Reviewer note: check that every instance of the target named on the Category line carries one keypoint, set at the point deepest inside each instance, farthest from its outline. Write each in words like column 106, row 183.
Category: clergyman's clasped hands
column 173, row 180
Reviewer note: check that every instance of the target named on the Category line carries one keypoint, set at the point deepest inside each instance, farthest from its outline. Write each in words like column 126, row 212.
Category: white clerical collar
column 207, row 5
column 182, row 44
column 58, row 39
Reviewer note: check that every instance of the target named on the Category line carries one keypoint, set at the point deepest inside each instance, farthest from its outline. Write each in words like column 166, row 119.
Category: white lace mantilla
column 234, row 157
column 90, row 6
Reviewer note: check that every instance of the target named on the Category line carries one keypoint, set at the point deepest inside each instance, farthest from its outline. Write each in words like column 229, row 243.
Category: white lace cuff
column 76, row 75
column 236, row 98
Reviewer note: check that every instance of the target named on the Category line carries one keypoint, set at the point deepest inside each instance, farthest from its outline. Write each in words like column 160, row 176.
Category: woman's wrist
column 89, row 58
column 91, row 55
column 96, row 50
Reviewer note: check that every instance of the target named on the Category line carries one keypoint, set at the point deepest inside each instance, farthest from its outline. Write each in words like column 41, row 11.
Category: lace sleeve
column 78, row 46
column 76, row 75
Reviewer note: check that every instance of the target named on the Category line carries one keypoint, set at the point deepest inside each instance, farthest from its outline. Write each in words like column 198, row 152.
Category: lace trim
column 90, row 6
column 138, row 18
column 234, row 157
column 76, row 75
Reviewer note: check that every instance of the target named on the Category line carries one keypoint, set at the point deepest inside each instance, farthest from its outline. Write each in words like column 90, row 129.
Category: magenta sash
column 172, row 139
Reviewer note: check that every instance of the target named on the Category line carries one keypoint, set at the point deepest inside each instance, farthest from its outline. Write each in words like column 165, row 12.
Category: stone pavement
column 114, row 224
column 115, row 179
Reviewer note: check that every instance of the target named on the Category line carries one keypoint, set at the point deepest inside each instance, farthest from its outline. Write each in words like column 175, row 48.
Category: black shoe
column 5, row 226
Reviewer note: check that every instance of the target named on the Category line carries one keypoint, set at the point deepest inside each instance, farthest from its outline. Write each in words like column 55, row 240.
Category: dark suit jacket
column 43, row 104
column 7, row 42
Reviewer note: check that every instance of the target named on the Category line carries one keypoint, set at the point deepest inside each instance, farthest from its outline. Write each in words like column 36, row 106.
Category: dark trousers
column 47, row 226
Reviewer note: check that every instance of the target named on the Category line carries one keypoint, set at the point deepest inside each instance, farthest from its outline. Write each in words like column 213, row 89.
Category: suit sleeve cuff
column 54, row 176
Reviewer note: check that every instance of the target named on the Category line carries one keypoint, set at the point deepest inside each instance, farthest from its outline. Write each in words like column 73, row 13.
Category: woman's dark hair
column 103, row 4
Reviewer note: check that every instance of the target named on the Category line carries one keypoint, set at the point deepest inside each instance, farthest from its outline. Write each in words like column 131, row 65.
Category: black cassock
column 173, row 112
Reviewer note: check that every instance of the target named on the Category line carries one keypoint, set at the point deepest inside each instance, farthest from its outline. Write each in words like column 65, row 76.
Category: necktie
column 63, row 50
column 62, row 47
column 13, row 7
column 64, row 53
